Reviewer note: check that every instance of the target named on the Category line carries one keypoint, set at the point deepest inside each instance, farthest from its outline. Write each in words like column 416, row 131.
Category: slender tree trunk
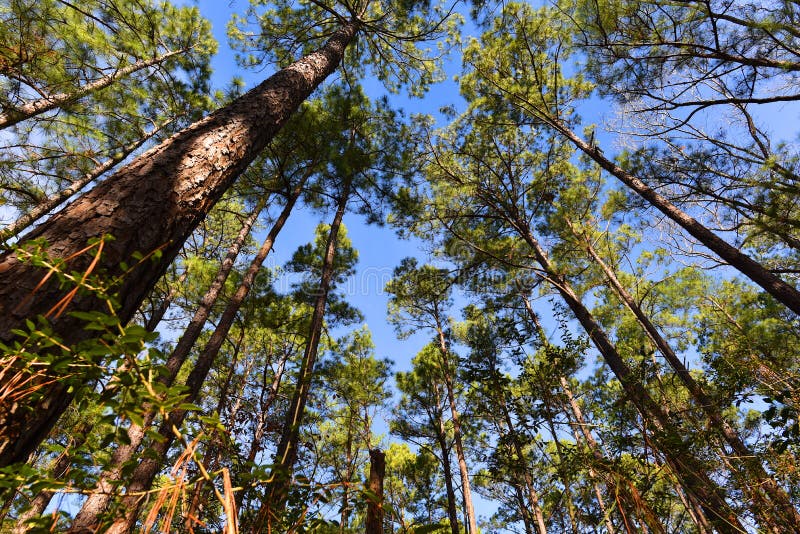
column 696, row 512
column 213, row 451
column 377, row 471
column 268, row 396
column 457, row 434
column 265, row 404
column 59, row 471
column 692, row 475
column 50, row 203
column 145, row 472
column 649, row 517
column 780, row 290
column 159, row 312
column 344, row 515
column 151, row 204
column 777, row 514
column 524, row 513
column 97, row 502
column 516, row 442
column 567, row 495
column 447, row 473
column 286, row 454
column 37, row 107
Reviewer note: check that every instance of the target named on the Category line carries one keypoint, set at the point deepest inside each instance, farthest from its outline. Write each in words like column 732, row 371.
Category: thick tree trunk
column 151, row 204
column 277, row 491
column 377, row 471
column 780, row 290
column 97, row 501
column 776, row 515
column 49, row 204
column 61, row 468
column 36, row 107
column 469, row 509
column 692, row 475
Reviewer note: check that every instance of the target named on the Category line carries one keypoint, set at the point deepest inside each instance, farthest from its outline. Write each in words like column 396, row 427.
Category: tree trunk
column 521, row 463
column 265, row 404
column 447, row 473
column 457, row 435
column 145, row 472
column 692, row 475
column 277, row 491
column 533, row 496
column 97, row 501
column 377, row 470
column 61, row 468
column 780, row 290
column 59, row 471
column 567, row 494
column 152, row 204
column 52, row 202
column 160, row 311
column 614, row 488
column 776, row 515
column 213, row 452
column 36, row 107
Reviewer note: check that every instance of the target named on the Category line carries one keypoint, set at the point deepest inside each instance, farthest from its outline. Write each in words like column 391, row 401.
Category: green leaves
column 401, row 43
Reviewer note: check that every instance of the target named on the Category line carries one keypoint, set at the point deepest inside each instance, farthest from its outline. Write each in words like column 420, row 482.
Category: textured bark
column 667, row 438
column 780, row 290
column 61, row 467
column 277, row 491
column 37, row 107
column 49, row 204
column 97, row 501
column 377, row 471
column 775, row 509
column 151, row 204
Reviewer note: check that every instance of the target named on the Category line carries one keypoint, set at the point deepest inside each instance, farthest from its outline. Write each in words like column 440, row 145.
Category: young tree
column 352, row 389
column 420, row 297
column 420, row 415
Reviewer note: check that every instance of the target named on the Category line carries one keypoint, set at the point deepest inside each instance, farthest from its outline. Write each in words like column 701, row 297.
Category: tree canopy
column 582, row 218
